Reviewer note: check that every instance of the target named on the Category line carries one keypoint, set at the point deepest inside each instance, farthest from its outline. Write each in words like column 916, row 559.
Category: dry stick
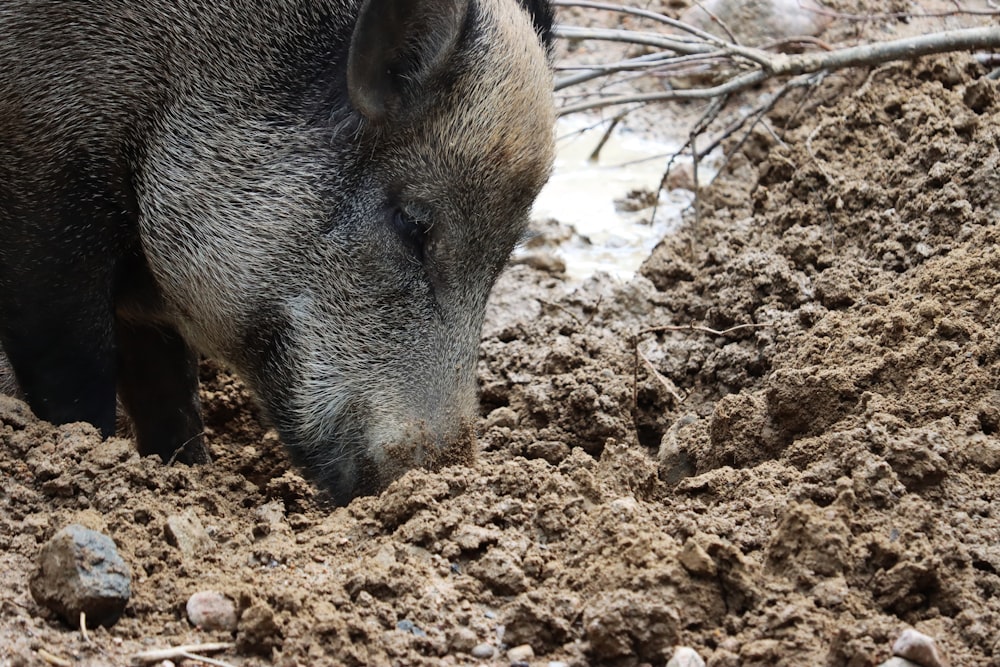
column 706, row 119
column 83, row 627
column 558, row 306
column 637, row 354
column 664, row 380
column 644, row 13
column 204, row 659
column 182, row 447
column 184, row 651
column 959, row 11
column 732, row 86
column 698, row 327
column 633, row 37
column 757, row 114
column 53, row 659
column 718, row 21
column 596, row 153
column 786, row 65
column 590, row 72
column 731, row 47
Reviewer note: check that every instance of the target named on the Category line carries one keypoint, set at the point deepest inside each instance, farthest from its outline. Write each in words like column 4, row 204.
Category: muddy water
column 608, row 200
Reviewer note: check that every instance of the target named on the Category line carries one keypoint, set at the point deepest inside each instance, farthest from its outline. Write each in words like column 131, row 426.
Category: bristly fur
column 231, row 179
column 542, row 17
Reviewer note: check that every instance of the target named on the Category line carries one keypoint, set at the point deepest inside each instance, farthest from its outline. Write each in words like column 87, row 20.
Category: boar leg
column 158, row 385
column 60, row 347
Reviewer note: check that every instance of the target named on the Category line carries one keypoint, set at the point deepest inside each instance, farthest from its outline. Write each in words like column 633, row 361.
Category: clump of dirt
column 795, row 460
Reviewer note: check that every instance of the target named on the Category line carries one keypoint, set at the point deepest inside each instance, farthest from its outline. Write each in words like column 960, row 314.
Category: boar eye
column 412, row 228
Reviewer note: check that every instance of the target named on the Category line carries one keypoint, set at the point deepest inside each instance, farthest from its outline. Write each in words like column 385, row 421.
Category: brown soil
column 795, row 492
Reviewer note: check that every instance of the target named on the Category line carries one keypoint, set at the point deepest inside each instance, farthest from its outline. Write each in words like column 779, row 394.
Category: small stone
column 79, row 570
column 919, row 648
column 462, row 640
column 186, row 532
column 685, row 656
column 483, row 651
column 557, row 663
column 522, row 653
column 211, row 610
column 407, row 625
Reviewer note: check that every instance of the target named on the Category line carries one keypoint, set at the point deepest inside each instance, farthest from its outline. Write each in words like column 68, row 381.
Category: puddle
column 582, row 194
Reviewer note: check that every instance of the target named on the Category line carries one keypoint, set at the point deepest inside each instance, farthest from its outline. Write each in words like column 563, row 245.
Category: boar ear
column 399, row 46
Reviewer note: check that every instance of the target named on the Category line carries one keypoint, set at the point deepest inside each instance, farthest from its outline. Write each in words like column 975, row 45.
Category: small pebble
column 685, row 656
column 919, row 648
column 411, row 627
column 211, row 610
column 483, row 651
column 522, row 653
column 462, row 639
column 79, row 570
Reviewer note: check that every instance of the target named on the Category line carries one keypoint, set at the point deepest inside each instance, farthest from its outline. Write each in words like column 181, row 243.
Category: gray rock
column 211, row 610
column 79, row 570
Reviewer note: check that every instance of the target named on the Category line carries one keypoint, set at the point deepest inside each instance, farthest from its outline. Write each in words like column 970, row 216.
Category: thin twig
column 182, row 447
column 644, row 13
column 701, row 328
column 632, row 37
column 663, row 380
column 83, row 627
column 958, row 11
column 717, row 21
column 204, row 659
column 667, row 384
column 553, row 304
column 596, row 153
column 156, row 655
column 734, row 85
column 53, row 659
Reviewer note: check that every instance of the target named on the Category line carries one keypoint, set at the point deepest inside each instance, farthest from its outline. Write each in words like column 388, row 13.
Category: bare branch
column 764, row 65
column 732, row 86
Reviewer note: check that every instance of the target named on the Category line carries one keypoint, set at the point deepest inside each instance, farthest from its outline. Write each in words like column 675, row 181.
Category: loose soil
column 795, row 490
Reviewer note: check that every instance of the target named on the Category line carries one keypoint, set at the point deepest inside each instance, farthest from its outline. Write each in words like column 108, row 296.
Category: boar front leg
column 56, row 326
column 158, row 385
